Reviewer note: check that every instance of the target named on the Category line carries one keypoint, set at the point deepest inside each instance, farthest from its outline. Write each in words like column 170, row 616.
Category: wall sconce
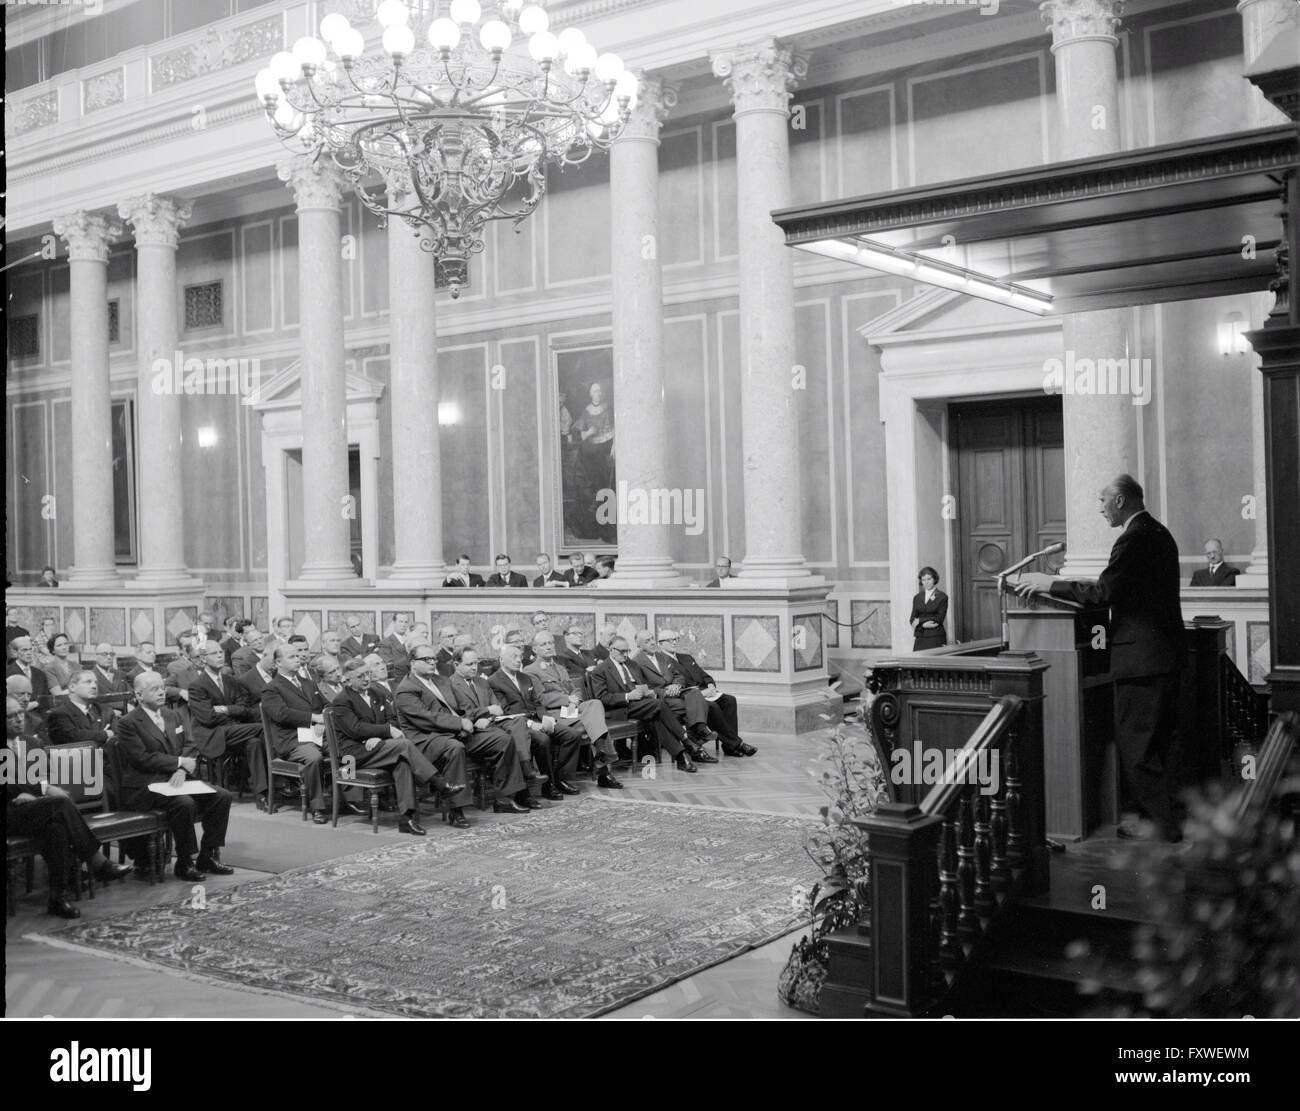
column 1232, row 335
column 448, row 414
column 207, row 436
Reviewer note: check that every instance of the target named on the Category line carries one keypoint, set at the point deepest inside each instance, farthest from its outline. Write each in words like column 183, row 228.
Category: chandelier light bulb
column 533, row 20
column 626, row 84
column 444, row 34
column 570, row 39
column 544, row 46
column 510, row 6
column 267, row 84
column 392, row 13
column 609, row 67
column 465, row 11
column 334, row 25
column 350, row 44
column 494, row 35
column 309, row 52
column 287, row 117
column 582, row 58
column 399, row 40
column 285, row 67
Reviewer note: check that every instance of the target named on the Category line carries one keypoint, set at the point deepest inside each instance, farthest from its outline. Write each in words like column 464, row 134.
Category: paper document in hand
column 568, row 711
column 712, row 695
column 307, row 735
column 189, row 787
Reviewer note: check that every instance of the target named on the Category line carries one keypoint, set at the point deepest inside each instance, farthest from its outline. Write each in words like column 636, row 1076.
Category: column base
column 771, row 580
column 334, row 574
column 92, row 577
column 350, row 582
column 156, row 580
column 1255, row 577
column 641, row 580
column 411, row 571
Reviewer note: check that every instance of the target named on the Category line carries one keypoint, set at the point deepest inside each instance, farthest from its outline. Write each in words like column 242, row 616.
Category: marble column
column 327, row 509
column 417, row 462
column 760, row 78
column 1100, row 428
column 645, row 551
column 156, row 222
column 89, row 235
column 1261, row 21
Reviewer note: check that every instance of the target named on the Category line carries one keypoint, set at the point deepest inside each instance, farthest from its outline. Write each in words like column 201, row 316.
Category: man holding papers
column 152, row 742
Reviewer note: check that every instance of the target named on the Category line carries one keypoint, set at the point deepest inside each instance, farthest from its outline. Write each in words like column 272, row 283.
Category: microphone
column 1051, row 549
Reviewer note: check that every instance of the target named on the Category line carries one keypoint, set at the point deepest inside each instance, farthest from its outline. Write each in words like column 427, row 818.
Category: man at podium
column 1148, row 647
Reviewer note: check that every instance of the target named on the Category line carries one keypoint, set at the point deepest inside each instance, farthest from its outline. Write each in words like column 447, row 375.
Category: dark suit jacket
column 208, row 726
column 574, row 664
column 654, row 672
column 524, row 698
column 445, row 665
column 514, row 579
column 358, row 647
column 553, row 577
column 230, row 645
column 40, row 684
column 420, row 714
column 1140, row 585
column 470, row 703
column 1223, row 575
column 936, row 609
column 393, row 652
column 586, row 575
column 13, row 632
column 252, row 685
column 69, row 726
column 454, row 579
column 288, row 709
column 607, row 686
column 687, row 671
column 355, row 722
column 552, row 691
column 148, row 756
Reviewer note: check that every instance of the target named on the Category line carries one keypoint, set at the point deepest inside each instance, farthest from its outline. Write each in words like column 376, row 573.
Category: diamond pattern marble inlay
column 141, row 626
column 756, row 643
column 179, row 621
column 74, row 625
column 807, row 643
column 627, row 624
column 307, row 623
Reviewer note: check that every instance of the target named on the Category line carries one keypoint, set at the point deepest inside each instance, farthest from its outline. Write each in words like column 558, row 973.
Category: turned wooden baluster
column 985, row 902
column 939, row 980
column 1015, row 819
column 1001, row 870
column 950, row 952
column 968, row 923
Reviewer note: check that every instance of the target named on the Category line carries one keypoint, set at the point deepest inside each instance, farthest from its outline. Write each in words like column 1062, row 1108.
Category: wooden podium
column 1078, row 711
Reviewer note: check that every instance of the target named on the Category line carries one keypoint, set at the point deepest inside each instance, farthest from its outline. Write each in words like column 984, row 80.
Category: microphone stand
column 1002, row 587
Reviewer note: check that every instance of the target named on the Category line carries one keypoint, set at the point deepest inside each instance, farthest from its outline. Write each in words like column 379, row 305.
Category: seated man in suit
column 518, row 693
column 548, row 575
column 426, row 711
column 221, row 717
column 253, row 682
column 562, row 697
column 113, row 689
column 603, row 637
column 12, row 627
column 1215, row 572
column 25, row 721
column 328, row 673
column 22, row 662
column 233, row 639
column 380, row 678
column 366, row 726
column 446, row 646
column 358, row 642
column 331, row 643
column 463, row 576
column 252, row 650
column 282, row 630
column 624, row 695
column 475, row 701
column 44, row 811
column 722, row 570
column 604, row 567
column 515, row 636
column 151, row 740
column 146, row 656
column 724, row 714
column 291, row 703
column 184, row 669
column 79, row 720
column 689, row 705
column 578, row 573
column 571, row 655
column 392, row 648
column 503, row 576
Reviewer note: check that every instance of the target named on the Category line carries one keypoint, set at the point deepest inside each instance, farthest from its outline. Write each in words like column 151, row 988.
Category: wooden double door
column 1008, row 464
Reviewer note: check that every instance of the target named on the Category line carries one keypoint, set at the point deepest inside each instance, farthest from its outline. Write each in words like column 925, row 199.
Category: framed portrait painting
column 587, row 446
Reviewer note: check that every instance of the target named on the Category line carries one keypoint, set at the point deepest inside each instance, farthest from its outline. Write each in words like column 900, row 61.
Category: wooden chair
column 629, row 730
column 374, row 781
column 284, row 769
column 18, row 848
column 110, row 824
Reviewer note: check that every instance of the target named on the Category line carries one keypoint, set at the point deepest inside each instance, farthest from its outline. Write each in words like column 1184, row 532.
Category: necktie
column 623, row 674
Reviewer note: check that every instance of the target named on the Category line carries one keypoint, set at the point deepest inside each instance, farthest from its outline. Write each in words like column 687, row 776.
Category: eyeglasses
column 423, row 659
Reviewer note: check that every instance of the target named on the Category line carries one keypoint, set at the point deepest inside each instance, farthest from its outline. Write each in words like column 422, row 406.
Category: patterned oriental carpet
column 563, row 915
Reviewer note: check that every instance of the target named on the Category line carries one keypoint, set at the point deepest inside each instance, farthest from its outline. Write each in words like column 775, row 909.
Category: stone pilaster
column 156, row 222
column 327, row 512
column 645, row 551
column 761, row 77
column 89, row 236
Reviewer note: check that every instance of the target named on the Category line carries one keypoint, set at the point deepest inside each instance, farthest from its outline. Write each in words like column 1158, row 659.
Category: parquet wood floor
column 44, row 981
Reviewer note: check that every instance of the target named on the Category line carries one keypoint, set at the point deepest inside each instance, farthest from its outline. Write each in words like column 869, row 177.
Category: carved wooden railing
column 1244, row 711
column 1275, row 766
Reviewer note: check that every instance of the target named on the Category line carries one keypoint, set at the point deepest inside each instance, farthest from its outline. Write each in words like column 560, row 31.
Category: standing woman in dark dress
column 929, row 612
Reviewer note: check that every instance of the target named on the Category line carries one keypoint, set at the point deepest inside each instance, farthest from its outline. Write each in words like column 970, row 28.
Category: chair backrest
column 112, row 774
column 587, row 690
column 72, row 766
column 331, row 741
column 266, row 738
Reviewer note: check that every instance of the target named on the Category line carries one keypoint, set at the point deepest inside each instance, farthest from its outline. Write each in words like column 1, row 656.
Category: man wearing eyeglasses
column 358, row 641
column 221, row 719
column 625, row 695
column 724, row 714
column 561, row 696
column 571, row 655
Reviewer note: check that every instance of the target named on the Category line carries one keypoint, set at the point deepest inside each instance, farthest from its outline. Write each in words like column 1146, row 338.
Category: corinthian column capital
column 89, row 235
column 156, row 220
column 654, row 100
column 1080, row 20
column 761, row 76
column 315, row 183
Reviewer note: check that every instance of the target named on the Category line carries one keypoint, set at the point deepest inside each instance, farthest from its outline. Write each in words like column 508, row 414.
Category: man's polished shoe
column 60, row 906
column 260, row 801
column 187, row 872
column 604, row 779
column 212, row 866
column 320, row 817
column 527, row 801
column 410, row 825
column 567, row 788
column 704, row 735
column 110, row 871
column 509, row 806
column 551, row 792
column 703, row 757
column 747, row 749
column 456, row 817
column 685, row 763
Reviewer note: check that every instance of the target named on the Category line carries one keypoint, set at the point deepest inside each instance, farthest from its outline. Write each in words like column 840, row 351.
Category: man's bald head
column 19, row 686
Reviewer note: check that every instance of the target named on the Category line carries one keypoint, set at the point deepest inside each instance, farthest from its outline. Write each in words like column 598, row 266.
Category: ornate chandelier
column 454, row 122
